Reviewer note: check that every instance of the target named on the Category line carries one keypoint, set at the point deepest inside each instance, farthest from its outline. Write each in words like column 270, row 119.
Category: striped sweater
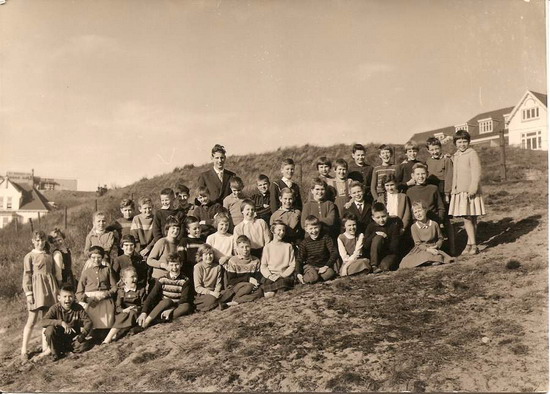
column 142, row 230
column 178, row 290
column 316, row 252
column 240, row 269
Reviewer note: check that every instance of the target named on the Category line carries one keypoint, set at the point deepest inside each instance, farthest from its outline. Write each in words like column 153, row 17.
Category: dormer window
column 530, row 113
column 485, row 126
column 462, row 127
column 439, row 136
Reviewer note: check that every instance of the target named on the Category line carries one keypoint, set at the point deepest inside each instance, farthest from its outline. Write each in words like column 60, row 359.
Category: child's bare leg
column 148, row 321
column 111, row 335
column 27, row 331
column 469, row 226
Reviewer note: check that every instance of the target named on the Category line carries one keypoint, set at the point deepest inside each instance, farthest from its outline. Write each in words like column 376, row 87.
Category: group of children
column 225, row 249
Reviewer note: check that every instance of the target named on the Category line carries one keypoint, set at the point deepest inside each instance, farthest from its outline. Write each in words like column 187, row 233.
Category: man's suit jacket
column 218, row 190
column 363, row 218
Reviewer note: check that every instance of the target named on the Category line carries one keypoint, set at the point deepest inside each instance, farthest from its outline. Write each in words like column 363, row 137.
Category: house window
column 485, row 126
column 530, row 113
column 8, row 204
column 1, row 202
column 461, row 127
column 532, row 140
column 439, row 136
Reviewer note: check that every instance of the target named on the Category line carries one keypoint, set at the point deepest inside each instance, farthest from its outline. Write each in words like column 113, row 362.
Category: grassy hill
column 478, row 325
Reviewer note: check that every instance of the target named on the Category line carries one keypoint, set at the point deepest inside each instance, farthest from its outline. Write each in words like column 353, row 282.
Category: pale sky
column 110, row 91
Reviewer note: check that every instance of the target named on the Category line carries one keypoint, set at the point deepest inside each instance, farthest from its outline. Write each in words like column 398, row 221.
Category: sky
column 108, row 92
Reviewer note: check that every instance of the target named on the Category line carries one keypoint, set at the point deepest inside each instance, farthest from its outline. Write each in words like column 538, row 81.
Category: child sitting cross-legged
column 255, row 229
column 382, row 238
column 207, row 277
column 242, row 276
column 221, row 241
column 171, row 296
column 317, row 254
column 350, row 247
column 278, row 262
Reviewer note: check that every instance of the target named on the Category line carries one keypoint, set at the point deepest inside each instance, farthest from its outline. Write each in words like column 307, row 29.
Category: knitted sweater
column 177, row 289
column 221, row 243
column 291, row 218
column 466, row 172
column 278, row 259
column 142, row 230
column 325, row 211
column 240, row 269
column 207, row 278
column 317, row 252
column 429, row 195
column 256, row 230
column 440, row 173
column 162, row 249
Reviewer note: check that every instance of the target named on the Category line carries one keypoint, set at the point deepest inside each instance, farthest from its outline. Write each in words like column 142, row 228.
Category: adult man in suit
column 216, row 180
column 359, row 206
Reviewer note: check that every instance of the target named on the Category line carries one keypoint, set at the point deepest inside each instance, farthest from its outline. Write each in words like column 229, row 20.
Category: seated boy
column 67, row 325
column 168, row 208
column 287, row 171
column 321, row 208
column 379, row 173
column 317, row 254
column 359, row 206
column 261, row 198
column 171, row 296
column 232, row 203
column 123, row 225
column 404, row 170
column 130, row 259
column 289, row 216
column 206, row 212
column 382, row 239
column 142, row 227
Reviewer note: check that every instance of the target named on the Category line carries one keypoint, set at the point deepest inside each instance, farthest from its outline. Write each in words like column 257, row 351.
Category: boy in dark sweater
column 130, row 259
column 123, row 225
column 261, row 198
column 182, row 194
column 359, row 170
column 67, row 325
column 382, row 239
column 188, row 245
column 168, row 208
column 317, row 254
column 404, row 170
column 428, row 194
column 287, row 172
column 206, row 212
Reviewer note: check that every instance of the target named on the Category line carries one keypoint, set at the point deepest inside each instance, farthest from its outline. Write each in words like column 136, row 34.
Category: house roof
column 32, row 199
column 420, row 138
column 497, row 114
column 540, row 96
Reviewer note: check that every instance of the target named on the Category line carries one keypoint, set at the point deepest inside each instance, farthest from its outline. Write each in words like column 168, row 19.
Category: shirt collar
column 287, row 181
column 424, row 225
column 128, row 289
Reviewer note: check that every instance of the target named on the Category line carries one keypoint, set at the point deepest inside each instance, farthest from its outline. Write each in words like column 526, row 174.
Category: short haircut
column 218, row 149
column 318, row 182
column 128, row 238
column 340, row 163
column 323, row 160
column 385, row 147
column 38, row 234
column 189, row 220
column 419, row 165
column 277, row 223
column 181, row 188
column 461, row 135
column 247, row 202
column 312, row 220
column 286, row 190
column 56, row 233
column 220, row 217
column 378, row 207
column 242, row 239
column 125, row 270
column 126, row 202
column 96, row 249
column 145, row 200
column 411, row 145
column 419, row 204
column 173, row 258
column 203, row 191
column 433, row 141
column 390, row 178
column 236, row 182
column 286, row 162
column 67, row 288
column 349, row 216
column 355, row 184
column 204, row 248
column 171, row 221
column 98, row 214
column 167, row 192
column 357, row 147
column 262, row 178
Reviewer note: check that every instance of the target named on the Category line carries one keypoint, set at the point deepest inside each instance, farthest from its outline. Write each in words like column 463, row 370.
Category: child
column 350, row 247
column 242, row 276
column 221, row 241
column 359, row 206
column 96, row 289
column 62, row 258
column 261, row 198
column 66, row 325
column 216, row 180
column 171, row 296
column 466, row 199
column 206, row 212
column 167, row 209
column 278, row 262
column 142, row 227
column 256, row 230
column 382, row 239
column 182, row 193
column 123, row 225
column 428, row 194
column 287, row 170
column 207, row 279
column 385, row 153
column 341, row 185
column 289, row 216
column 233, row 202
column 359, row 170
column 189, row 245
column 397, row 204
column 130, row 298
column 39, row 285
column 163, row 248
column 317, row 254
column 324, row 165
column 404, row 170
column 130, row 260
column 99, row 236
column 427, row 239
column 324, row 210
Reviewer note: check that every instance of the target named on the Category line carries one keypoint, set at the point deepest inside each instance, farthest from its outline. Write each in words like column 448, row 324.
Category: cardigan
column 99, row 278
column 466, row 172
column 325, row 211
column 291, row 218
column 107, row 240
column 217, row 189
column 261, row 203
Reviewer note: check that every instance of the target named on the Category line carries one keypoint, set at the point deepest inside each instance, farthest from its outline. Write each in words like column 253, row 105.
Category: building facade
column 21, row 201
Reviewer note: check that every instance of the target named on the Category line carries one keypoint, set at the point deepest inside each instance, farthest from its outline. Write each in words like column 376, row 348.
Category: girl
column 129, row 300
column 62, row 257
column 397, row 204
column 39, row 285
column 207, row 277
column 255, row 229
column 163, row 248
column 278, row 262
column 466, row 199
column 96, row 289
column 350, row 247
column 221, row 241
column 427, row 238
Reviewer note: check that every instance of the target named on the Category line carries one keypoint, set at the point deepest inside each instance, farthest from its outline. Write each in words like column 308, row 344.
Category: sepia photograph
column 273, row 196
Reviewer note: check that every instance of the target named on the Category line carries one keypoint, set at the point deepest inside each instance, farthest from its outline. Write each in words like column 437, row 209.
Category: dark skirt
column 126, row 320
column 282, row 283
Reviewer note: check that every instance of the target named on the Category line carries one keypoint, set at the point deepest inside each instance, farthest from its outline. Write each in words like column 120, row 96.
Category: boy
column 206, row 212
column 189, row 245
column 171, row 296
column 324, row 210
column 289, row 216
column 234, row 201
column 359, row 170
column 167, row 202
column 404, row 170
column 142, row 227
column 382, row 239
column 256, row 230
column 340, row 186
column 317, row 254
column 261, row 198
column 216, row 180
column 359, row 206
column 428, row 194
column 385, row 153
column 242, row 276
column 99, row 236
column 130, row 259
column 182, row 193
column 324, row 165
column 287, row 170
column 123, row 225
column 67, row 325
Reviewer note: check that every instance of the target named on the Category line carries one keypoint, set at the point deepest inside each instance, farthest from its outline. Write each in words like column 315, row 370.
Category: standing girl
column 39, row 285
column 466, row 199
column 62, row 257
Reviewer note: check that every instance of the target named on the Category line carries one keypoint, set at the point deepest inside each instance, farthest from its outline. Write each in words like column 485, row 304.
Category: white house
column 22, row 201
